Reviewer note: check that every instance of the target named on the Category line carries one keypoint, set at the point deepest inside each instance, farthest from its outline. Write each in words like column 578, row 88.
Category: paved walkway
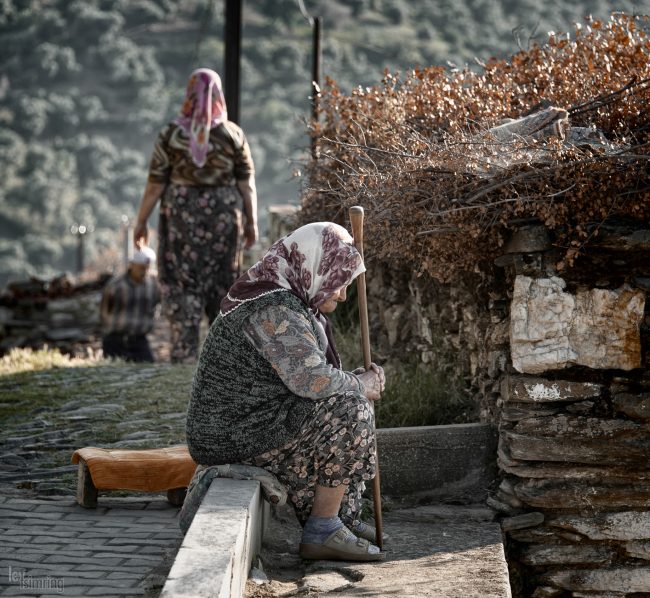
column 125, row 547
column 49, row 545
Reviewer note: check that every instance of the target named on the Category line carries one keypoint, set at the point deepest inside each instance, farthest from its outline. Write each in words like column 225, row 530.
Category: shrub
column 413, row 151
column 56, row 62
column 416, row 394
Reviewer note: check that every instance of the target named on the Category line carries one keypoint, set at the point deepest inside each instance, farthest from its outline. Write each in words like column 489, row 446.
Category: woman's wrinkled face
column 329, row 305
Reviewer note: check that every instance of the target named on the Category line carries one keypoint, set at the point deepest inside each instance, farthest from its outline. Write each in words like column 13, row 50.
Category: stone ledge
column 452, row 461
column 215, row 556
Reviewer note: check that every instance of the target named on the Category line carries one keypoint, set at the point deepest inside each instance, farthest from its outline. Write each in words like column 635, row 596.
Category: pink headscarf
column 203, row 109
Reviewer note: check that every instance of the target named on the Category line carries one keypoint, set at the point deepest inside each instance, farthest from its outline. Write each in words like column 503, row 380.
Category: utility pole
column 315, row 78
column 232, row 35
column 316, row 59
column 80, row 231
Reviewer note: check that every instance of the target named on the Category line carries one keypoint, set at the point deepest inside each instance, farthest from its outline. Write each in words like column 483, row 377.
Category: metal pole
column 80, row 231
column 127, row 247
column 315, row 79
column 232, row 34
column 80, row 254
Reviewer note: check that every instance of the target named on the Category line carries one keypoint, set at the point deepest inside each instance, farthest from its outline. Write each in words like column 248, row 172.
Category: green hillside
column 85, row 86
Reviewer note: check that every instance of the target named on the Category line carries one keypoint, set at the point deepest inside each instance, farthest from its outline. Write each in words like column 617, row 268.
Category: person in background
column 202, row 173
column 128, row 309
column 269, row 390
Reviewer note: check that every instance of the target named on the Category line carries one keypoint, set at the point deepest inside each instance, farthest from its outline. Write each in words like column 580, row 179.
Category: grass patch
column 419, row 395
column 93, row 402
column 29, row 360
column 416, row 394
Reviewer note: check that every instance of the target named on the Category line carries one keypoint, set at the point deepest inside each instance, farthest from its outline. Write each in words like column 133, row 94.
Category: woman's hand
column 373, row 380
column 140, row 234
column 249, row 195
column 152, row 193
column 250, row 234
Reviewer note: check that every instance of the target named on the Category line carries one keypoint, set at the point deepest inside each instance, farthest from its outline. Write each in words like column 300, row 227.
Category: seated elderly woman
column 269, row 390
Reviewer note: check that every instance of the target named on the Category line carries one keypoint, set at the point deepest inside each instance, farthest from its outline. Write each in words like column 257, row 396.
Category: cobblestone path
column 57, row 548
column 49, row 545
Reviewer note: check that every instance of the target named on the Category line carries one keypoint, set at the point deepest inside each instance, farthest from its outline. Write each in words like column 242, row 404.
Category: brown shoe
column 337, row 547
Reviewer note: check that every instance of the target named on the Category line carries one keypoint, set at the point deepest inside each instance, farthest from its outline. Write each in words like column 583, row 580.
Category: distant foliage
column 75, row 134
column 414, row 152
column 86, row 79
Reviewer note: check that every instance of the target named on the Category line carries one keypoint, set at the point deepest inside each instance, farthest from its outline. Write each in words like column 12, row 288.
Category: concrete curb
column 215, row 556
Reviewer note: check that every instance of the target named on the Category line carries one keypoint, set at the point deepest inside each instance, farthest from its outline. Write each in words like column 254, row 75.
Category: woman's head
column 316, row 262
column 204, row 107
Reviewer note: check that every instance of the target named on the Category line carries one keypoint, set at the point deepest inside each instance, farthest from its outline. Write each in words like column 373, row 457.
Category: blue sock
column 318, row 529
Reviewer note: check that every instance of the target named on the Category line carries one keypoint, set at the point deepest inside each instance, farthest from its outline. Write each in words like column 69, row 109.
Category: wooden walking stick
column 356, row 220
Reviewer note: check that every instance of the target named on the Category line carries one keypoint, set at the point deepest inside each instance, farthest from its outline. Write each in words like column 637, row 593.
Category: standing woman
column 202, row 172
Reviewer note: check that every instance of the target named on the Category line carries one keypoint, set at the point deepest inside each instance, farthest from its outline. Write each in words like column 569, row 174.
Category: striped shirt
column 229, row 158
column 128, row 307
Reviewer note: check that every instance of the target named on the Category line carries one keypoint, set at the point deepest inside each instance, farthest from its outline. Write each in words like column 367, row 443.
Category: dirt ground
column 437, row 550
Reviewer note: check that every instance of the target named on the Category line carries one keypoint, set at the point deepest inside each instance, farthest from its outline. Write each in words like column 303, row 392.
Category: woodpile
column 58, row 313
column 446, row 168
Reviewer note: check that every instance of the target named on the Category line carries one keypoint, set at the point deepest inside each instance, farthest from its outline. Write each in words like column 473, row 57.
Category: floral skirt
column 199, row 233
column 335, row 446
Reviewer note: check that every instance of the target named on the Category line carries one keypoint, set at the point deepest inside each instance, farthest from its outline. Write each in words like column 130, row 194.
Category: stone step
column 446, row 462
column 446, row 559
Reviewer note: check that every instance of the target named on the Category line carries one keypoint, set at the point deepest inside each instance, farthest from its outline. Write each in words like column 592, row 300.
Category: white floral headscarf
column 312, row 262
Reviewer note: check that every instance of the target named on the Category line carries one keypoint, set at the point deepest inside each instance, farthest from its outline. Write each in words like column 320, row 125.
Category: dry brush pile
column 441, row 191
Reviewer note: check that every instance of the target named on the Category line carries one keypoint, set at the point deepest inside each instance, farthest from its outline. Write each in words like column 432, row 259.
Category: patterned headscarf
column 203, row 109
column 312, row 262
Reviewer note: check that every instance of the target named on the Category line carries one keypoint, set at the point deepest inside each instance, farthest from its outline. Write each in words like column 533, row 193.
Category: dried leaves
column 441, row 193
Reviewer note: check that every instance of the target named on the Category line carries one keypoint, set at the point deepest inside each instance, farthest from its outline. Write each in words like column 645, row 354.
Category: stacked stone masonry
column 573, row 414
column 559, row 360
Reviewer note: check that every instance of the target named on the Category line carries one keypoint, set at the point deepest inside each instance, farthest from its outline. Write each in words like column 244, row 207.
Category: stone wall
column 461, row 329
column 59, row 313
column 560, row 361
column 574, row 414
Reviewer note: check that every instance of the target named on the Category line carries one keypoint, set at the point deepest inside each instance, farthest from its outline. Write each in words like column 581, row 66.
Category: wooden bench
column 153, row 470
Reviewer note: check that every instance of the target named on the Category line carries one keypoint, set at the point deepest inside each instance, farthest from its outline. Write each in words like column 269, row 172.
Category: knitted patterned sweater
column 260, row 370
